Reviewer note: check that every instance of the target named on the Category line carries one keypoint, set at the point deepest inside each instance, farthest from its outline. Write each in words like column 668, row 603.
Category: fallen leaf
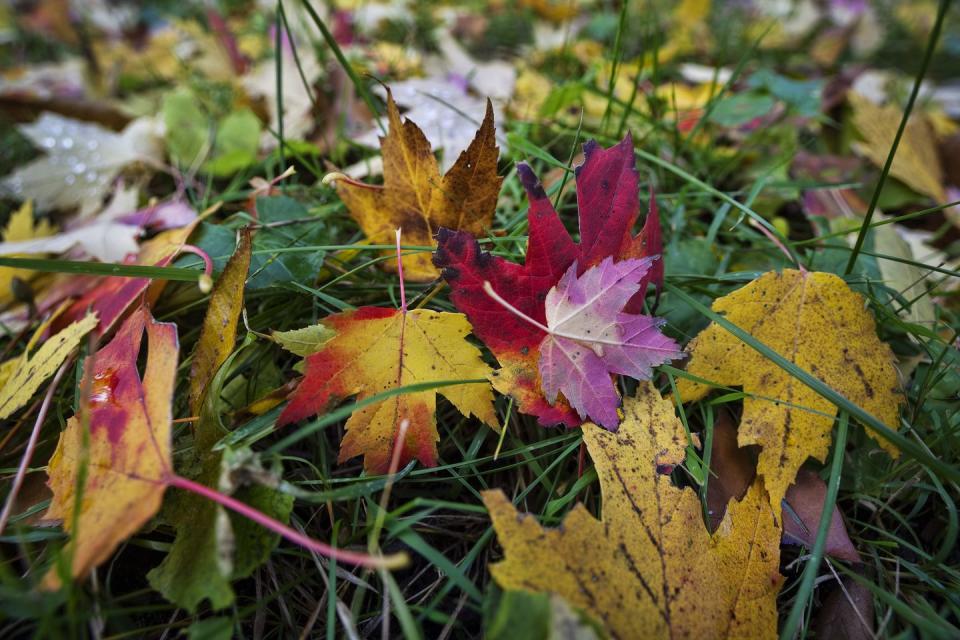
column 416, row 199
column 846, row 614
column 917, row 163
column 304, row 342
column 106, row 241
column 536, row 616
column 443, row 110
column 818, row 323
column 554, row 10
column 219, row 331
column 609, row 205
column 193, row 145
column 590, row 338
column 81, row 161
column 285, row 223
column 288, row 91
column 213, row 547
column 187, row 128
column 801, row 521
column 377, row 349
column 732, row 469
column 128, row 455
column 650, row 563
column 495, row 79
column 20, row 227
column 24, row 378
column 111, row 296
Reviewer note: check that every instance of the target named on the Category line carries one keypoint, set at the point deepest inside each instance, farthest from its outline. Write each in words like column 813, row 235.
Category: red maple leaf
column 608, row 205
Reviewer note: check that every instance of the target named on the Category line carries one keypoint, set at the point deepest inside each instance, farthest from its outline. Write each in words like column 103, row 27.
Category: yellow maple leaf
column 416, row 199
column 127, row 450
column 376, row 350
column 23, row 378
column 917, row 162
column 20, row 227
column 817, row 322
column 649, row 568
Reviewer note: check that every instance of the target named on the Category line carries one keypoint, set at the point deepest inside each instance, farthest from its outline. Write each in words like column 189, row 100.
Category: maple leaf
column 609, row 207
column 415, row 198
column 376, row 349
column 443, row 108
column 650, row 563
column 127, row 457
column 588, row 337
column 815, row 321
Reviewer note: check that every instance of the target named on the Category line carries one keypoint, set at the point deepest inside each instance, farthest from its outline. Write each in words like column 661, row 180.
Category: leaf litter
column 336, row 385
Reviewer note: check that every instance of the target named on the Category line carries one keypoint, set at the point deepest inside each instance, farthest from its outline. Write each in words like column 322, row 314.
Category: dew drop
column 103, row 387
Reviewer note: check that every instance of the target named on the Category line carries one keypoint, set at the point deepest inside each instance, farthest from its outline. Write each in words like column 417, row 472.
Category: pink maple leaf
column 589, row 337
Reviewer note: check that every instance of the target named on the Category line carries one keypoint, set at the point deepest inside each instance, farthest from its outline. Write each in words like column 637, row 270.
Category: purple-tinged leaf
column 571, row 367
column 589, row 338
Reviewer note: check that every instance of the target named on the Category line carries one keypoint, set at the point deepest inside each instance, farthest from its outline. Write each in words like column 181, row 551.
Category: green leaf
column 803, row 96
column 740, row 109
column 211, row 629
column 304, row 342
column 537, row 616
column 214, row 547
column 269, row 266
column 236, row 144
column 188, row 127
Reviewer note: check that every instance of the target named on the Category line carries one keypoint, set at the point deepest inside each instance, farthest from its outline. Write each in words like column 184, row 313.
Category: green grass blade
column 75, row 267
column 820, row 543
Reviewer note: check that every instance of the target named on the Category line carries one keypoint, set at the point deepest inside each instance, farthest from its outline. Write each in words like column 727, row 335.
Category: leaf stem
column 403, row 291
column 820, row 544
column 393, row 561
column 875, row 198
column 488, row 288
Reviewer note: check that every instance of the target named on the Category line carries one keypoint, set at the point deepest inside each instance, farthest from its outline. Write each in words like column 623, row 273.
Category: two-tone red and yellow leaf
column 609, row 205
column 649, row 568
column 376, row 350
column 125, row 455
